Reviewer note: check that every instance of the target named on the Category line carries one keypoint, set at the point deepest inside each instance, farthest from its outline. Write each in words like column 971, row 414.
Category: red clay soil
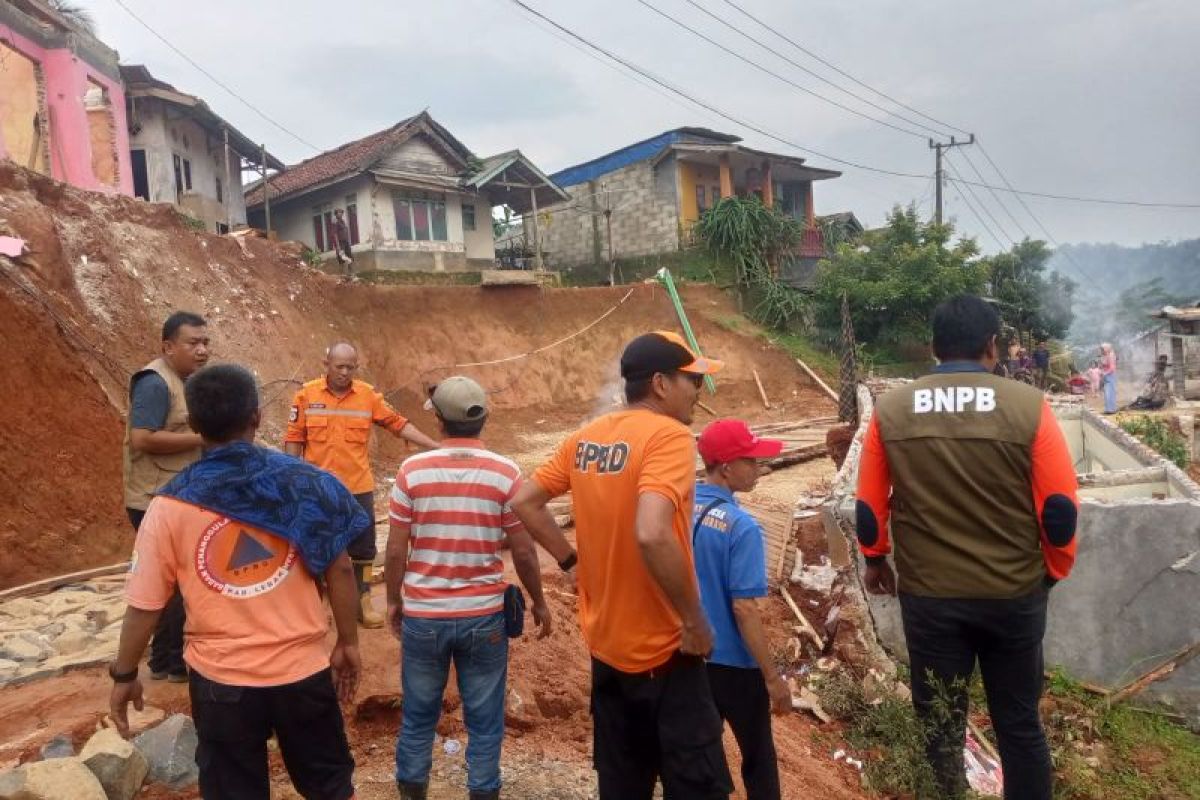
column 112, row 268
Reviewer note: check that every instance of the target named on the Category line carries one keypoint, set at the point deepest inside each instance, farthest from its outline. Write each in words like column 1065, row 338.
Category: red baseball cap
column 730, row 439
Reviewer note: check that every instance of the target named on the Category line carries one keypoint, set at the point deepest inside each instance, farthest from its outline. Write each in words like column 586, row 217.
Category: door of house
column 141, row 179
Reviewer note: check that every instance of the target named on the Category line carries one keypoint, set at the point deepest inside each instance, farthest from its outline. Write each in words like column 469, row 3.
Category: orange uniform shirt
column 336, row 431
column 626, row 618
column 254, row 617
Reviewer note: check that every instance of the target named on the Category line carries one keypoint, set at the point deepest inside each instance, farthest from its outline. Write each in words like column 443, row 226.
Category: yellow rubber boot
column 368, row 617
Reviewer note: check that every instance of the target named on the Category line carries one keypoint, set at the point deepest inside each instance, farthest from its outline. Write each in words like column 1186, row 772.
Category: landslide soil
column 82, row 309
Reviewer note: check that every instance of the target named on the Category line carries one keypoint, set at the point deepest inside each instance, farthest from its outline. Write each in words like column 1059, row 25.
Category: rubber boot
column 368, row 617
column 412, row 791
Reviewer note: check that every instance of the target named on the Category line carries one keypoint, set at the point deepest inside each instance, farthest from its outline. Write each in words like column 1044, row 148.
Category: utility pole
column 612, row 261
column 938, row 147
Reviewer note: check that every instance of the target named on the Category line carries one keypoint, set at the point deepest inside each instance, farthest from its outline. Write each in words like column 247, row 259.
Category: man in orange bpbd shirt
column 330, row 427
column 243, row 532
column 632, row 477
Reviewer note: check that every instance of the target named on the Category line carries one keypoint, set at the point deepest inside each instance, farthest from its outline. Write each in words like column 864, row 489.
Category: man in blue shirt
column 732, row 571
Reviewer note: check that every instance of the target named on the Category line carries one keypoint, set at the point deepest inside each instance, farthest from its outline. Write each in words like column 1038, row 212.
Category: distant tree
column 1125, row 316
column 893, row 278
column 75, row 13
column 1031, row 301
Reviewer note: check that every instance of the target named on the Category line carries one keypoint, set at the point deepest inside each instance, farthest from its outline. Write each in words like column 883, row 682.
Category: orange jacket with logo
column 336, row 431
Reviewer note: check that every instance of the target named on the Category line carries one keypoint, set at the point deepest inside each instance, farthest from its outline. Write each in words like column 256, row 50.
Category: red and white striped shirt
column 456, row 500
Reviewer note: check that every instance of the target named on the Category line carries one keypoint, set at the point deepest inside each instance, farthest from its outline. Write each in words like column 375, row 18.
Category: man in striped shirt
column 445, row 588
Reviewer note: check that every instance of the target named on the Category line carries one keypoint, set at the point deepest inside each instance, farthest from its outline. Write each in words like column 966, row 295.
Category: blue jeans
column 478, row 647
column 1108, row 384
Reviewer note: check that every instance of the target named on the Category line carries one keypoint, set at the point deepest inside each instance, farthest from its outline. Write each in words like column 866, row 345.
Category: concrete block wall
column 1129, row 603
column 645, row 218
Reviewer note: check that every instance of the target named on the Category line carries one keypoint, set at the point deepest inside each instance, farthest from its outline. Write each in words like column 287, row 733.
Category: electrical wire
column 214, row 78
column 763, row 45
column 978, row 216
column 838, row 69
column 709, row 106
column 776, row 75
column 979, row 202
column 995, row 195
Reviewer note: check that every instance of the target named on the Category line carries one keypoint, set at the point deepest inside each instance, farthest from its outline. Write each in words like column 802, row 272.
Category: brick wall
column 645, row 219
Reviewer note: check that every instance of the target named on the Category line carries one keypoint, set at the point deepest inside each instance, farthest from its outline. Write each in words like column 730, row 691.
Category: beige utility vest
column 146, row 473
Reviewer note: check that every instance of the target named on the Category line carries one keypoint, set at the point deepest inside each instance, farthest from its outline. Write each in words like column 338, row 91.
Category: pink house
column 62, row 104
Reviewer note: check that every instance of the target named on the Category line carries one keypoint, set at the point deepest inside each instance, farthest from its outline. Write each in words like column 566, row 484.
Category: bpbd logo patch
column 602, row 459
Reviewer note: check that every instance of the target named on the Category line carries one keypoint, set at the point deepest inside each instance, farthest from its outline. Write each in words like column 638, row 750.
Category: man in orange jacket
column 330, row 427
column 977, row 480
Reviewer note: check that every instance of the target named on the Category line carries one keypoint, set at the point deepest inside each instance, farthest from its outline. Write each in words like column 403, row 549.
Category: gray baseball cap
column 458, row 399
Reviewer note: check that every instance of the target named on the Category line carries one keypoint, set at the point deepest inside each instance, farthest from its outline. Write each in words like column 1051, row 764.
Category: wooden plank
column 1158, row 673
column 817, row 378
column 706, row 408
column 761, row 391
column 804, row 623
column 50, row 584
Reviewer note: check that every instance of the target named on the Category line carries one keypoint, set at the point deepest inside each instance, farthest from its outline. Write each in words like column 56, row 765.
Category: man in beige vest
column 158, row 445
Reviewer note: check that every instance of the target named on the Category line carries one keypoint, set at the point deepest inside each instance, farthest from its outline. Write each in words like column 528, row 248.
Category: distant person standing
column 1108, row 377
column 984, row 494
column 1041, row 364
column 1094, row 375
column 732, row 568
column 341, row 243
column 330, row 427
column 159, row 444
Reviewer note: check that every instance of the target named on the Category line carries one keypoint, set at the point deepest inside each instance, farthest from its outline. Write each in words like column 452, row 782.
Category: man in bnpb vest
column 330, row 427
column 158, row 445
column 976, row 479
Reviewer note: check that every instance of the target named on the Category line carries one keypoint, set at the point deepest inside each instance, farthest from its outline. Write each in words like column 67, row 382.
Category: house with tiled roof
column 414, row 198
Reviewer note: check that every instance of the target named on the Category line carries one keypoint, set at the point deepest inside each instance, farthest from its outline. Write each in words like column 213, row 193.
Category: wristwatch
column 122, row 677
column 570, row 561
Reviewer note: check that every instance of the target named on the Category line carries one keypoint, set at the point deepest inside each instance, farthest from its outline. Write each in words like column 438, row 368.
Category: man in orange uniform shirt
column 330, row 427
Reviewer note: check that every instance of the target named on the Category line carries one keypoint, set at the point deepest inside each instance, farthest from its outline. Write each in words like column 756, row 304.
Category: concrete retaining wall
column 1130, row 603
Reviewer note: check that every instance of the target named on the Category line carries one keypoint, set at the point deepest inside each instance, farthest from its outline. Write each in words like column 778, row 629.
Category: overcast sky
column 1079, row 97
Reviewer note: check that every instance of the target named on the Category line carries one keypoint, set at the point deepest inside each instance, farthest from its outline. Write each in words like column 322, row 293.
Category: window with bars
column 468, row 216
column 420, row 219
column 352, row 217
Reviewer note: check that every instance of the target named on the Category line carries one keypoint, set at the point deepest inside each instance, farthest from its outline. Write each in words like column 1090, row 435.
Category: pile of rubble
column 76, row 625
column 108, row 767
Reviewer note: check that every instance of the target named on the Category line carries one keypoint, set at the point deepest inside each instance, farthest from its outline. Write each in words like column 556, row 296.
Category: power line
column 214, row 78
column 958, row 177
column 776, row 75
column 820, row 154
column 996, row 195
column 709, row 106
column 838, row 69
column 817, row 75
column 977, row 215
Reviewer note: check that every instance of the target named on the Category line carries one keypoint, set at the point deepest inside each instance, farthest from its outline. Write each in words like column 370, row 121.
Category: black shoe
column 493, row 794
column 412, row 791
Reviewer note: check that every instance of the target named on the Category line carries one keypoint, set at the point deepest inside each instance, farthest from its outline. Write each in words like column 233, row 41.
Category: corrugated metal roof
column 638, row 151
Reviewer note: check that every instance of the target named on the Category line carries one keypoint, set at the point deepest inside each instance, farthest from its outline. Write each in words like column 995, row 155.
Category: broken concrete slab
column 1129, row 602
column 59, row 779
column 20, row 649
column 170, row 749
column 116, row 763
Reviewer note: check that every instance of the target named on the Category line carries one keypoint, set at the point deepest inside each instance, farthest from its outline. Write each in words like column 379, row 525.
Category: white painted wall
column 166, row 132
column 293, row 218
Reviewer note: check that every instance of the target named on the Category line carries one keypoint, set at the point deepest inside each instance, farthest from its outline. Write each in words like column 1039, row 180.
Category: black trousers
column 657, row 724
column 166, row 648
column 233, row 724
column 945, row 638
column 742, row 701
column 362, row 548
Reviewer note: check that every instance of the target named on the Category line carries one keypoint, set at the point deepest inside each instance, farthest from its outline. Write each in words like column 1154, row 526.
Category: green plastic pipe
column 664, row 277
